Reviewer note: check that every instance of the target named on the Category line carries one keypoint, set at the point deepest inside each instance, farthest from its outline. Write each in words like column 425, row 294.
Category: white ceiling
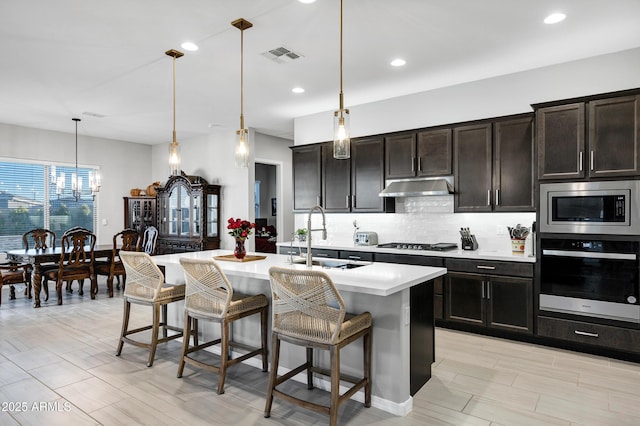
column 65, row 58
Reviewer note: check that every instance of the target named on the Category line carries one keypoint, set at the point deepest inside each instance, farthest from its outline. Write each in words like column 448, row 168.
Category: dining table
column 38, row 257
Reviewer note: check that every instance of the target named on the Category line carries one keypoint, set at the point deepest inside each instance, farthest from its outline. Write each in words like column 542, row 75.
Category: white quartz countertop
column 479, row 254
column 380, row 279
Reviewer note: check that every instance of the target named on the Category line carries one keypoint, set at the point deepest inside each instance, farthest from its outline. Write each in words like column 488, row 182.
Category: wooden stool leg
column 309, row 366
column 224, row 354
column 12, row 292
column 195, row 332
column 154, row 333
column 335, row 385
column 125, row 325
column 264, row 320
column 273, row 375
column 367, row 368
column 164, row 321
column 185, row 342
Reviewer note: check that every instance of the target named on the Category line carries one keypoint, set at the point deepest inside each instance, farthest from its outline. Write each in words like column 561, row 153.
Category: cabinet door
column 561, row 142
column 213, row 215
column 614, row 125
column 307, row 162
column 367, row 175
column 336, row 180
column 513, row 165
column 509, row 304
column 434, row 153
column 400, row 156
column 472, row 153
column 465, row 298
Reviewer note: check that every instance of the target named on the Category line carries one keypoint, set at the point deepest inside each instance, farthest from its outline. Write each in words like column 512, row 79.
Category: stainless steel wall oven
column 590, row 277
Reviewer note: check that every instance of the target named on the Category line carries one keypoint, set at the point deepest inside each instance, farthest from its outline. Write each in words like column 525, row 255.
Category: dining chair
column 11, row 274
column 127, row 240
column 209, row 296
column 149, row 240
column 76, row 261
column 40, row 239
column 307, row 310
column 146, row 286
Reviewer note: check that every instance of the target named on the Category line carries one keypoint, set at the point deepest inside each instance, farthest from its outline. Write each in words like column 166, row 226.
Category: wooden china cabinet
column 139, row 213
column 188, row 210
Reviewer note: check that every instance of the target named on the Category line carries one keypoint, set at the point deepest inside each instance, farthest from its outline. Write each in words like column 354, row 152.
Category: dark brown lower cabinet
column 490, row 301
column 618, row 338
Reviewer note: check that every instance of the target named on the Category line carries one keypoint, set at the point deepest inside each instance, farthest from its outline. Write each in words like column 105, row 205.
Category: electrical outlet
column 500, row 230
column 407, row 315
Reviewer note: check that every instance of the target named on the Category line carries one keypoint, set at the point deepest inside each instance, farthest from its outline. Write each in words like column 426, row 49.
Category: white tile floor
column 57, row 366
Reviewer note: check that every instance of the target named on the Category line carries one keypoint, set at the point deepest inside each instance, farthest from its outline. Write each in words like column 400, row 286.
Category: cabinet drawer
column 622, row 339
column 356, row 255
column 490, row 267
column 333, row 254
column 409, row 259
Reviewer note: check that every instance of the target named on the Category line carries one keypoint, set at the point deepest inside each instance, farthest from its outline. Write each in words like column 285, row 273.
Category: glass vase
column 240, row 251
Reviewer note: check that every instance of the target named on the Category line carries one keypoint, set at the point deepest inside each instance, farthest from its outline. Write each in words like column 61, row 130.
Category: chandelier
column 242, row 135
column 76, row 191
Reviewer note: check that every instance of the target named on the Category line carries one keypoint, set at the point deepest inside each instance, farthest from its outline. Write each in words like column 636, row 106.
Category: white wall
column 123, row 165
column 213, row 156
column 432, row 220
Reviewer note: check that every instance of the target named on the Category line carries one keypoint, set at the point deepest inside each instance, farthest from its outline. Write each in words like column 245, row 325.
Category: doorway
column 266, row 207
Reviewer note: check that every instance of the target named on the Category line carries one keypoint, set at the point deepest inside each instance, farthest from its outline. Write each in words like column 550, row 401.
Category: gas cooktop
column 420, row 246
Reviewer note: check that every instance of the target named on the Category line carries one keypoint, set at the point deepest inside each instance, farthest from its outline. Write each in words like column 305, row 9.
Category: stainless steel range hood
column 418, row 187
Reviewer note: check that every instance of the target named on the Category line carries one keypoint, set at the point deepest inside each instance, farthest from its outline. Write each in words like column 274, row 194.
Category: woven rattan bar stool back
column 308, row 311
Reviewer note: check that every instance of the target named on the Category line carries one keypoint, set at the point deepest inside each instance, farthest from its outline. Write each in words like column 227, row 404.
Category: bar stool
column 146, row 286
column 210, row 296
column 308, row 311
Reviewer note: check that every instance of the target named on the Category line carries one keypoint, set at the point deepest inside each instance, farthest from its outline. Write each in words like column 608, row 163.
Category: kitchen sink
column 333, row 263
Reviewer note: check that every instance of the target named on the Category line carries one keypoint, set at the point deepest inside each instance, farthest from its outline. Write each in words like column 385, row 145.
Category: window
column 29, row 199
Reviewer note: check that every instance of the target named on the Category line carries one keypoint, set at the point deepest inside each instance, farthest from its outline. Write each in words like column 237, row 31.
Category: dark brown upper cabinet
column 422, row 154
column 353, row 185
column 608, row 146
column 307, row 177
column 493, row 165
column 614, row 126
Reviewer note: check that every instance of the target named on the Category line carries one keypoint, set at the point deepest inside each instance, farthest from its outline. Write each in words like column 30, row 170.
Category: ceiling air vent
column 282, row 55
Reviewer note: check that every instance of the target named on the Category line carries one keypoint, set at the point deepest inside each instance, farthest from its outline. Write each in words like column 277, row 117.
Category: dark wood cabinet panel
column 356, row 255
column 498, row 302
column 307, row 184
column 367, row 175
column 618, row 338
column 513, row 165
column 400, row 156
column 509, row 304
column 614, row 126
column 561, row 141
column 434, row 153
column 336, row 181
column 472, row 168
column 492, row 267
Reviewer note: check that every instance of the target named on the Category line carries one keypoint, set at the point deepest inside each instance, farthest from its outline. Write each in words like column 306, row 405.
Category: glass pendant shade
column 174, row 159
column 341, row 138
column 242, row 148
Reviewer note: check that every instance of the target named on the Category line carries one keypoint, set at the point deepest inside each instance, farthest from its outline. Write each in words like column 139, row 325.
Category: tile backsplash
column 421, row 219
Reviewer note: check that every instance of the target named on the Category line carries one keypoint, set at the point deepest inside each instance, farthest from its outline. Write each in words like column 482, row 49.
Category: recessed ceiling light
column 554, row 18
column 398, row 62
column 297, row 90
column 307, row 1
column 190, row 46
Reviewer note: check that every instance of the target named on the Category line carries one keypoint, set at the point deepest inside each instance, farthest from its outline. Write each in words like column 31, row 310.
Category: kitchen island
column 399, row 297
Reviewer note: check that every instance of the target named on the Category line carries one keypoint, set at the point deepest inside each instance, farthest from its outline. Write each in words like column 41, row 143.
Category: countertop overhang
column 377, row 278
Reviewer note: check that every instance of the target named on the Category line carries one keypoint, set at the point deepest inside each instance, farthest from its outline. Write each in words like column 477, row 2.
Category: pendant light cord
column 341, row 94
column 241, row 79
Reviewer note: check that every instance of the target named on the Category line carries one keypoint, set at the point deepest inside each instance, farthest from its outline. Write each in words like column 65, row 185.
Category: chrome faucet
column 323, row 229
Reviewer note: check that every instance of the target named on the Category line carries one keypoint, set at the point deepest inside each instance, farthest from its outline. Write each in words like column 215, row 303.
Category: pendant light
column 174, row 147
column 242, row 135
column 341, row 138
column 77, row 193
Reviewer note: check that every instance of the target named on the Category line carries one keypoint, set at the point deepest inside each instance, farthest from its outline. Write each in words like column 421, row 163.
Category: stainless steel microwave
column 611, row 207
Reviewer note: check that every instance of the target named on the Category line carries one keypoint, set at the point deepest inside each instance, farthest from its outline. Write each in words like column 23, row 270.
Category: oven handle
column 591, row 255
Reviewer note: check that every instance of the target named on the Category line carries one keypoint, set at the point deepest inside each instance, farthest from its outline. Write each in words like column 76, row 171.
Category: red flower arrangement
column 239, row 228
